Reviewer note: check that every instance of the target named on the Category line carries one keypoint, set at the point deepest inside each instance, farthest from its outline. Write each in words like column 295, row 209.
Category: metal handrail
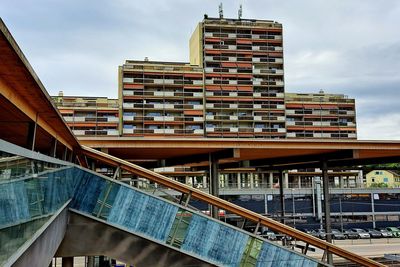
column 223, row 204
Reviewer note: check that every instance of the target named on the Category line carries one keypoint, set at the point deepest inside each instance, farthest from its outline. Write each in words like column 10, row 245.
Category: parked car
column 321, row 233
column 269, row 235
column 284, row 237
column 384, row 232
column 374, row 233
column 350, row 234
column 394, row 230
column 361, row 233
column 336, row 234
column 310, row 232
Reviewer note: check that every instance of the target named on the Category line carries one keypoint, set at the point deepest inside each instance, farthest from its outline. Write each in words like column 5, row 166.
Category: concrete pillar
column 204, row 182
column 271, row 180
column 341, row 182
column 327, row 207
column 251, row 177
column 239, row 181
column 299, row 181
column 360, row 179
column 67, row 262
column 187, row 181
column 286, row 179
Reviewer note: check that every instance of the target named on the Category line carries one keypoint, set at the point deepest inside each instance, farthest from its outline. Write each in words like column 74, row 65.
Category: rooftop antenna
column 221, row 11
column 240, row 12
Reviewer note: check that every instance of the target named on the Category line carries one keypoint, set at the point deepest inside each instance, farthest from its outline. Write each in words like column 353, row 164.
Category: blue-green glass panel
column 142, row 213
column 272, row 255
column 13, row 203
column 87, row 191
column 56, row 190
column 214, row 241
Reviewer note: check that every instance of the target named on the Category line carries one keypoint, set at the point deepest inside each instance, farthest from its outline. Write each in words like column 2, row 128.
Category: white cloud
column 348, row 47
column 380, row 127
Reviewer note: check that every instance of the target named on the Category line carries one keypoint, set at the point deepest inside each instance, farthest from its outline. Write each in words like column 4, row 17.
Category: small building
column 383, row 178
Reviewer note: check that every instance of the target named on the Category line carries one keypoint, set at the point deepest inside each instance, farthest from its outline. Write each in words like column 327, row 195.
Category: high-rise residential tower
column 242, row 62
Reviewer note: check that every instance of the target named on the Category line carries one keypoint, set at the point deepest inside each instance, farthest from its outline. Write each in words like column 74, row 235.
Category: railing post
column 188, row 198
column 327, row 207
column 281, row 196
column 31, row 139
column 214, row 182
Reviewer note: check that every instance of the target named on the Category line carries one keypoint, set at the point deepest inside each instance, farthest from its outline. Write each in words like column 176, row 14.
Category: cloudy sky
column 350, row 47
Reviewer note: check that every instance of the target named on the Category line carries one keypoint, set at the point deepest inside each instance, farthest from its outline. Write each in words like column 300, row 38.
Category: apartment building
column 320, row 116
column 89, row 116
column 161, row 99
column 243, row 77
column 232, row 87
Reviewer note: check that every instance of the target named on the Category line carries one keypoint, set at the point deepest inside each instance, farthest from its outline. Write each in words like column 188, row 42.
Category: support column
column 341, row 181
column 327, row 208
column 214, row 182
column 239, row 180
column 271, row 180
column 373, row 210
column 286, row 179
column 53, row 149
column 65, row 153
column 71, row 157
column 251, row 177
column 31, row 138
column 67, row 262
column 281, row 196
column 360, row 179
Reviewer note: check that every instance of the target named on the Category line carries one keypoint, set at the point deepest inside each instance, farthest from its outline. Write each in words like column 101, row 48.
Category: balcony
column 79, row 132
column 128, row 118
column 112, row 119
column 113, row 132
column 127, row 105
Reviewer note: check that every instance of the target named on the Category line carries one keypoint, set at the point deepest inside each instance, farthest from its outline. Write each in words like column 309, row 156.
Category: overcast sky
column 349, row 47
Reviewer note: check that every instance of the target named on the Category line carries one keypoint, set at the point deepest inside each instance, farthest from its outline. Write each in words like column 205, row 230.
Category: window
column 129, row 126
column 194, row 127
column 153, row 114
column 385, row 180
